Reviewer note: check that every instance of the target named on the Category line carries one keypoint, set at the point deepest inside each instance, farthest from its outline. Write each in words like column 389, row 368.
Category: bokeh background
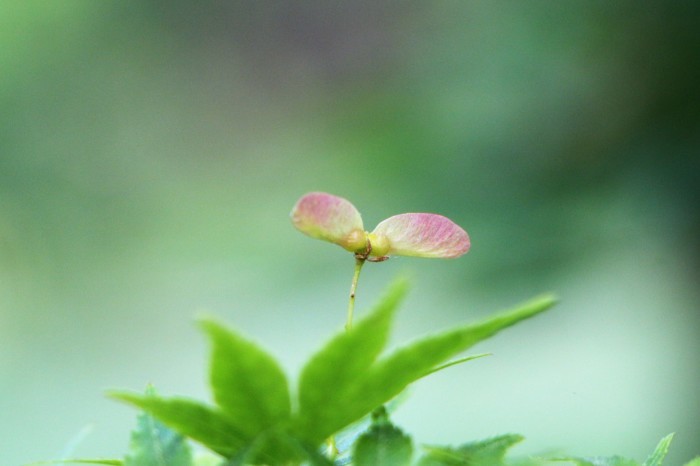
column 150, row 153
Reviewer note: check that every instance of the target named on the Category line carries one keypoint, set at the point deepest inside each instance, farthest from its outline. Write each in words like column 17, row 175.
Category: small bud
column 355, row 241
column 380, row 245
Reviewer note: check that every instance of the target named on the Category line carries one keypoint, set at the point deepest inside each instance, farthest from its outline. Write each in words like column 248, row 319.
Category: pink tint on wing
column 327, row 217
column 423, row 235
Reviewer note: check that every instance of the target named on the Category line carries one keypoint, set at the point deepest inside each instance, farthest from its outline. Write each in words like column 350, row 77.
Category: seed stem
column 359, row 262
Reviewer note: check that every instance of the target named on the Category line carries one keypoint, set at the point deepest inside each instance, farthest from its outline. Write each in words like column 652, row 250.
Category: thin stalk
column 359, row 262
column 331, row 447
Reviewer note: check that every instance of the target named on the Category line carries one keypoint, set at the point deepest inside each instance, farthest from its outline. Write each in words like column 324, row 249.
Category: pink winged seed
column 423, row 235
column 327, row 217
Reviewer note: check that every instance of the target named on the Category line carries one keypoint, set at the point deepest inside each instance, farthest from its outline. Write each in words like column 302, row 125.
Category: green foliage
column 655, row 459
column 108, row 462
column 252, row 421
column 383, row 444
column 329, row 398
column 490, row 452
column 207, row 459
column 455, row 362
column 153, row 444
column 391, row 375
column 247, row 383
column 192, row 419
column 361, row 384
column 603, row 461
column 659, row 453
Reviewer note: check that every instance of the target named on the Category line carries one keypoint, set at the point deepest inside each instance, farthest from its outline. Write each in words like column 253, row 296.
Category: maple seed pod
column 334, row 219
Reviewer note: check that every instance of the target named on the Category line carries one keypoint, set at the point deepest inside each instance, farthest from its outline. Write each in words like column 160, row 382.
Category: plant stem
column 359, row 262
column 331, row 447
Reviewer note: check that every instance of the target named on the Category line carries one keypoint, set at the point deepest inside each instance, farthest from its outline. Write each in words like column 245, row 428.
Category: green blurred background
column 150, row 153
